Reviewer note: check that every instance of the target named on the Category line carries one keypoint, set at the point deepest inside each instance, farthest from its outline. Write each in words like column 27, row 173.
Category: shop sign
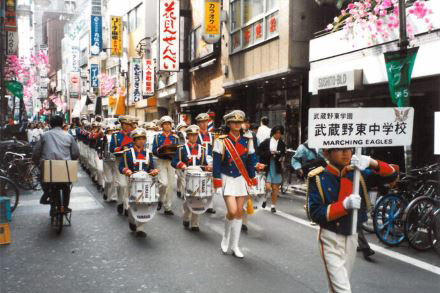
column 136, row 77
column 74, row 83
column 149, row 77
column 96, row 34
column 94, row 75
column 12, row 43
column 350, row 79
column 211, row 24
column 116, row 35
column 169, row 25
column 360, row 127
column 74, row 59
column 399, row 66
column 10, row 22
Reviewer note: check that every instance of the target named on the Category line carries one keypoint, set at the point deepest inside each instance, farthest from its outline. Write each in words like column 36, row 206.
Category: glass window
column 236, row 15
column 272, row 24
column 139, row 19
column 236, row 41
column 252, row 9
column 258, row 31
column 271, row 4
column 247, row 36
column 132, row 20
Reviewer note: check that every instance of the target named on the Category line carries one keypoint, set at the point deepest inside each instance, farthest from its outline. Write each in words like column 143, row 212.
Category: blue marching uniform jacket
column 161, row 139
column 182, row 158
column 127, row 163
column 119, row 140
column 328, row 187
column 223, row 163
column 208, row 139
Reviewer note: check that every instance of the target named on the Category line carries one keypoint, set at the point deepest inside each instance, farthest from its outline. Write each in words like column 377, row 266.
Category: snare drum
column 198, row 190
column 143, row 188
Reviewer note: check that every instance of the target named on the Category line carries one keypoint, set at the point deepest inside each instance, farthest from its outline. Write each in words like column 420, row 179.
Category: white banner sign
column 136, row 79
column 74, row 83
column 148, row 84
column 360, row 127
column 74, row 59
column 169, row 41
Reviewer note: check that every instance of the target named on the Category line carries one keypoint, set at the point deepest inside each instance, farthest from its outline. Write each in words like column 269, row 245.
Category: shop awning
column 204, row 101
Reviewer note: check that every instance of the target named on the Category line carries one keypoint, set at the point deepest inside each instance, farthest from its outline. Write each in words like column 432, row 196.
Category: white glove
column 352, row 202
column 361, row 162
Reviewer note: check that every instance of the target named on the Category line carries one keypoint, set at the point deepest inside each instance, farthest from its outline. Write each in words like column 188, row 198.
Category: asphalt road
column 98, row 253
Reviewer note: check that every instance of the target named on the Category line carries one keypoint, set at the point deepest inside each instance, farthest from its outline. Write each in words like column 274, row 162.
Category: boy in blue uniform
column 190, row 155
column 137, row 158
column 330, row 202
column 120, row 142
column 206, row 139
column 166, row 171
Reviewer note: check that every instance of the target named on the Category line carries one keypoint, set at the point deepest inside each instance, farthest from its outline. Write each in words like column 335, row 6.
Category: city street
column 98, row 253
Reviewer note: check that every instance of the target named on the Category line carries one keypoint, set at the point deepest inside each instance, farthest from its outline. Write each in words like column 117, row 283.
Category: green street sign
column 399, row 65
column 15, row 88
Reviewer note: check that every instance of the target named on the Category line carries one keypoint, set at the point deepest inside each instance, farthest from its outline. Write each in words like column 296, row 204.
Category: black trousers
column 52, row 190
column 362, row 241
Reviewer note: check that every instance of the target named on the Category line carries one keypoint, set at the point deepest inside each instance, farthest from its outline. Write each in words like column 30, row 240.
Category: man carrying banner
column 330, row 201
column 234, row 177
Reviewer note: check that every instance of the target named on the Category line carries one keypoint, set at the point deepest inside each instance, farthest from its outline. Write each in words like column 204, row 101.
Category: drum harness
column 140, row 162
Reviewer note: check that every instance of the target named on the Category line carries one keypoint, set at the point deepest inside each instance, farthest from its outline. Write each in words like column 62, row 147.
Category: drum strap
column 135, row 160
column 237, row 160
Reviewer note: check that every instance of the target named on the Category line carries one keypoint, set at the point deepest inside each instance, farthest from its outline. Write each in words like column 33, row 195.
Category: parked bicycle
column 21, row 169
column 10, row 190
column 288, row 172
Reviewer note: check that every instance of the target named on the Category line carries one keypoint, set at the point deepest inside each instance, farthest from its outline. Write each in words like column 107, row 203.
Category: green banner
column 15, row 88
column 399, row 65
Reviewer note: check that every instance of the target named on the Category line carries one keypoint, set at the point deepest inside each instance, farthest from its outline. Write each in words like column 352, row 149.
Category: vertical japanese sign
column 96, row 34
column 94, row 75
column 399, row 66
column 136, row 77
column 12, row 42
column 10, row 21
column 169, row 41
column 211, row 23
column 149, row 77
column 74, row 59
column 116, row 35
column 74, row 83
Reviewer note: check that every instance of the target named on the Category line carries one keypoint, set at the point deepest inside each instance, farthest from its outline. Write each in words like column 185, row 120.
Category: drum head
column 198, row 205
column 142, row 212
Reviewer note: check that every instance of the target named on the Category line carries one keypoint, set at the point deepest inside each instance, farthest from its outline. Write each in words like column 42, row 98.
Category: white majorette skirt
column 234, row 186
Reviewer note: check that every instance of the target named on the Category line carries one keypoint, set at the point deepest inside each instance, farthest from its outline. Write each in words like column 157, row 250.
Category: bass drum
column 144, row 196
column 259, row 195
column 198, row 190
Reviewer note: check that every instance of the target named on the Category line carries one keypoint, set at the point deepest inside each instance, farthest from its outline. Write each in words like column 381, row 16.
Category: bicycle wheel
column 9, row 189
column 435, row 231
column 418, row 222
column 58, row 221
column 387, row 220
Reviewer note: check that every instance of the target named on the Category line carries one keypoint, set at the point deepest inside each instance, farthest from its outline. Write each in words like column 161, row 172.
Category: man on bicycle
column 56, row 145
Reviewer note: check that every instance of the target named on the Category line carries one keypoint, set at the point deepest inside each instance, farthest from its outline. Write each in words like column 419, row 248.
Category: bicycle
column 10, row 190
column 286, row 176
column 58, row 212
column 22, row 170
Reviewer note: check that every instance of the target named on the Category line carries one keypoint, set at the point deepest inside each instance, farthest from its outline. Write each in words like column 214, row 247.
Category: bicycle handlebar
column 16, row 154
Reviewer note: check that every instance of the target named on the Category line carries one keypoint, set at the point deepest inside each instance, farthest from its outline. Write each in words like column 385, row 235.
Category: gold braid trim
column 318, row 184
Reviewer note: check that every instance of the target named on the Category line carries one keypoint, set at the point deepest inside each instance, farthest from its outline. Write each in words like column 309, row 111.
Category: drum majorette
column 191, row 158
column 206, row 139
column 121, row 142
column 137, row 158
column 164, row 147
column 234, row 169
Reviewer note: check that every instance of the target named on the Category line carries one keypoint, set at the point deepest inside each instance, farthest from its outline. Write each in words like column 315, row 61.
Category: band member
column 120, row 143
column 161, row 148
column 181, row 129
column 329, row 203
column 93, row 155
column 206, row 139
column 234, row 177
column 137, row 158
column 110, row 168
column 190, row 155
column 149, row 127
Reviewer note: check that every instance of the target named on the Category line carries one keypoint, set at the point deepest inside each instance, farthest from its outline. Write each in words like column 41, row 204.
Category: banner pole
column 356, row 182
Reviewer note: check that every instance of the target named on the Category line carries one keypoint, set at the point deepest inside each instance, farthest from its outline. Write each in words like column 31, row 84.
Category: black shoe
column 132, row 227
column 244, row 228
column 113, row 201
column 126, row 213
column 210, row 211
column 169, row 213
column 104, row 196
column 120, row 208
column 179, row 194
column 185, row 224
column 195, row 229
column 159, row 206
column 263, row 205
column 273, row 210
column 44, row 199
column 141, row 234
column 367, row 253
column 67, row 210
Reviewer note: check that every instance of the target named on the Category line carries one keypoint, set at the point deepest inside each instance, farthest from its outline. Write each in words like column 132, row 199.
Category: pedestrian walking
column 306, row 159
column 263, row 131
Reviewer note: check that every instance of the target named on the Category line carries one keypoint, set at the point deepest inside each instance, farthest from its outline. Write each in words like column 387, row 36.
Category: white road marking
column 396, row 255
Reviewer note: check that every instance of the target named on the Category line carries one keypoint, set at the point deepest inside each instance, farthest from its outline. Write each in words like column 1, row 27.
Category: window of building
column 252, row 22
column 135, row 18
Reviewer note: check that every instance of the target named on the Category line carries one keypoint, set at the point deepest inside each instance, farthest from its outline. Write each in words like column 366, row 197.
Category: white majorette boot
column 235, row 237
column 226, row 236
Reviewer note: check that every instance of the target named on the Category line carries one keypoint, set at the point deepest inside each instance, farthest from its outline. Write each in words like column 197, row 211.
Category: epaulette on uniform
column 223, row 136
column 316, row 171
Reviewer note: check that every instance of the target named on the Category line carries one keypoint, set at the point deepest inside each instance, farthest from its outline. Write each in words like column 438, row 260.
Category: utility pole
column 2, row 66
column 403, row 36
